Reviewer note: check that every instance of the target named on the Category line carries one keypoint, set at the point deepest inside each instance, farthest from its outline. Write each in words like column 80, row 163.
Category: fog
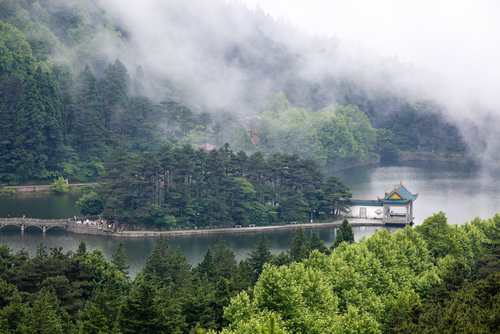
column 458, row 39
column 233, row 55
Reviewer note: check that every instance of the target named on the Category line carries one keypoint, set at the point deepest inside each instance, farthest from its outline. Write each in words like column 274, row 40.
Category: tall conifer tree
column 51, row 99
column 89, row 129
column 344, row 233
column 114, row 88
column 10, row 92
column 300, row 247
column 119, row 259
column 259, row 257
column 29, row 149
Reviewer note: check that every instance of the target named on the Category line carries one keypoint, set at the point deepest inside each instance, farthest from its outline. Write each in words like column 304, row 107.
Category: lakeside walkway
column 91, row 228
column 141, row 234
column 47, row 187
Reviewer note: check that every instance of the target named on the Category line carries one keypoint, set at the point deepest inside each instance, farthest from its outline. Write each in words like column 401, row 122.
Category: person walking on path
column 24, row 216
column 8, row 216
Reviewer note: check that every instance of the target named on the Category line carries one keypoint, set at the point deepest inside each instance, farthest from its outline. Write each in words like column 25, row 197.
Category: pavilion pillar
column 407, row 212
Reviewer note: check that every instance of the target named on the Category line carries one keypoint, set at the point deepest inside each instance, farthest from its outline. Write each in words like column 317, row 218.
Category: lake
column 461, row 191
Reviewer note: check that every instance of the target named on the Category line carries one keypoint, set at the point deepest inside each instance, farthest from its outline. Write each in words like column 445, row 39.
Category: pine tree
column 336, row 195
column 100, row 314
column 53, row 128
column 89, row 132
column 119, row 259
column 156, row 267
column 82, row 249
column 207, row 266
column 114, row 88
column 317, row 243
column 10, row 92
column 222, row 297
column 140, row 311
column 224, row 259
column 44, row 317
column 259, row 257
column 29, row 149
column 300, row 247
column 344, row 233
column 13, row 315
column 488, row 262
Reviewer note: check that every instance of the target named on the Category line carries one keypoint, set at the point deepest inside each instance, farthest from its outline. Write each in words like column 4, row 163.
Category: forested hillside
column 434, row 278
column 78, row 79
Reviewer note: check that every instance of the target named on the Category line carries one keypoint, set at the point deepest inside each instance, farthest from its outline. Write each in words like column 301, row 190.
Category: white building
column 395, row 208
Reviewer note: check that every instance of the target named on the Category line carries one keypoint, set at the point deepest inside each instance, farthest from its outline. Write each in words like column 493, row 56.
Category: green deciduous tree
column 59, row 185
column 90, row 204
column 441, row 239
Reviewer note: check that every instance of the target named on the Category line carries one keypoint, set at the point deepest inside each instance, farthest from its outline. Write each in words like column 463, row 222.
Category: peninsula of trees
column 184, row 187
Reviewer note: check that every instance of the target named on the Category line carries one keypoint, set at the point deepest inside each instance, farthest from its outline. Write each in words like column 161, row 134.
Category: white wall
column 370, row 212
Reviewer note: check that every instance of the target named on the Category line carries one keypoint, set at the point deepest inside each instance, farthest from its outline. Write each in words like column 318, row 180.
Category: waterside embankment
column 373, row 158
column 79, row 228
column 428, row 156
column 46, row 188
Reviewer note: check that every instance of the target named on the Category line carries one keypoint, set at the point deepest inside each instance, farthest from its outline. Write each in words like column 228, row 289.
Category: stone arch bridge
column 43, row 224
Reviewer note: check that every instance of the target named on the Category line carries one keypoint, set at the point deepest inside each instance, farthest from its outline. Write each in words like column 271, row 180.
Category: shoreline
column 405, row 156
column 44, row 189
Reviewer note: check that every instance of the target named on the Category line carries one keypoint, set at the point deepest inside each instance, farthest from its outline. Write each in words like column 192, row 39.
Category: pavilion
column 395, row 208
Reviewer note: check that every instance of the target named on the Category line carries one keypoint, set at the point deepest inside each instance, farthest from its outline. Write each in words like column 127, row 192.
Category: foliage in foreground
column 403, row 282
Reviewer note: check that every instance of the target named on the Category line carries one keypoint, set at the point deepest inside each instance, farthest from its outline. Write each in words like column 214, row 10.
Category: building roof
column 366, row 202
column 399, row 195
column 208, row 146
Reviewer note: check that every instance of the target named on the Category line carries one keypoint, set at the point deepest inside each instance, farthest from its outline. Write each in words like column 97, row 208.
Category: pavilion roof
column 399, row 195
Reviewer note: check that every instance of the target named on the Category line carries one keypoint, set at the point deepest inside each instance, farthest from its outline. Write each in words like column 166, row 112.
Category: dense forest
column 184, row 187
column 433, row 278
column 75, row 86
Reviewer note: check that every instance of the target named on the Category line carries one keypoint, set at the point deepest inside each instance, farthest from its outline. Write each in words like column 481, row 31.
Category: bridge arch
column 41, row 224
column 32, row 228
column 57, row 228
column 10, row 226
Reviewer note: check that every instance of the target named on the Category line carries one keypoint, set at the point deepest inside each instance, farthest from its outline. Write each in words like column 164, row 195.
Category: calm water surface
column 138, row 249
column 461, row 191
column 46, row 206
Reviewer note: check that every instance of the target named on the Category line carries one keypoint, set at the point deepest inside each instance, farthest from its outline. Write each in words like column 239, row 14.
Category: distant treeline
column 183, row 186
column 434, row 278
